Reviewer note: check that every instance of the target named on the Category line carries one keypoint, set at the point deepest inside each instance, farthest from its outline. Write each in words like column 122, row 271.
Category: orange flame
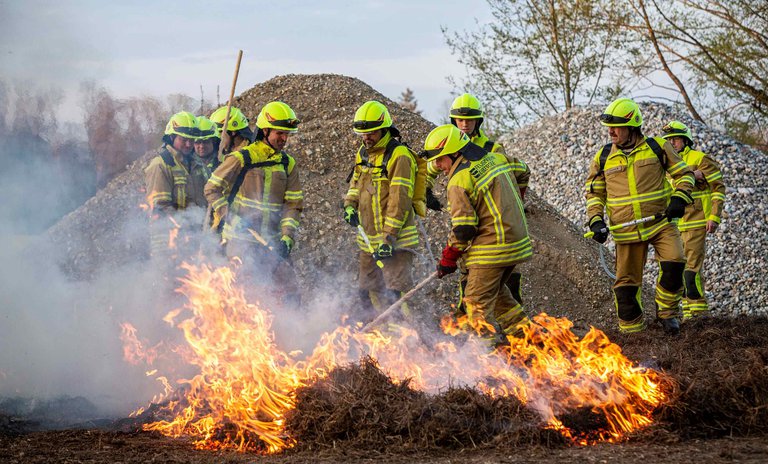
column 246, row 384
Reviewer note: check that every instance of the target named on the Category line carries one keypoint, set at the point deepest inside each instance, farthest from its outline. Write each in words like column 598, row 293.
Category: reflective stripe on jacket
column 634, row 185
column 483, row 195
column 170, row 188
column 270, row 199
column 708, row 194
column 384, row 203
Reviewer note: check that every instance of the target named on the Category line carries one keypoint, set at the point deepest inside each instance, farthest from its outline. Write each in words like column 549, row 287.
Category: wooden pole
column 397, row 303
column 224, row 131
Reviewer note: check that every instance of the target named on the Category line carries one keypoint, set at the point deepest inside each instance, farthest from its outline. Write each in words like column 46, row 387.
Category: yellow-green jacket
column 487, row 212
column 708, row 194
column 174, row 181
column 384, row 202
column 270, row 199
column 634, row 185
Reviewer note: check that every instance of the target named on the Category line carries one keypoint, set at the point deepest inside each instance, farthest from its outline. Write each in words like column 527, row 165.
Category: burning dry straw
column 549, row 387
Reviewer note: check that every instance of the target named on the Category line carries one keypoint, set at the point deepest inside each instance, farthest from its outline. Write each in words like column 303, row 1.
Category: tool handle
column 370, row 247
column 224, row 132
column 387, row 312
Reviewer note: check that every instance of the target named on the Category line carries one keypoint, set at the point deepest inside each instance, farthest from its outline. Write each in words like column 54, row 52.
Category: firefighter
column 175, row 179
column 207, row 143
column 629, row 177
column 701, row 217
column 240, row 134
column 489, row 231
column 467, row 114
column 380, row 199
column 256, row 195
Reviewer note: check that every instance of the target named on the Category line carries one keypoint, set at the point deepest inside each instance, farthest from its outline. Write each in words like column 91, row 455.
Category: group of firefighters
column 656, row 191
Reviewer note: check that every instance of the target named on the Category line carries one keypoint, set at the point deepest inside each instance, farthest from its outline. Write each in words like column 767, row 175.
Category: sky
column 137, row 48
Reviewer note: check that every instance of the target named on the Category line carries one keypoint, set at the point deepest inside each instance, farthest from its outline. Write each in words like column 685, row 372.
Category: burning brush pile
column 408, row 391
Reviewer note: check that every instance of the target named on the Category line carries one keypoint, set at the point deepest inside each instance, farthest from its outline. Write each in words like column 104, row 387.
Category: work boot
column 671, row 326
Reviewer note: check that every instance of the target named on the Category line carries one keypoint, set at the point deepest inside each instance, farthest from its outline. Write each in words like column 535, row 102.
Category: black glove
column 675, row 208
column 284, row 246
column 351, row 216
column 600, row 229
column 432, row 202
column 384, row 251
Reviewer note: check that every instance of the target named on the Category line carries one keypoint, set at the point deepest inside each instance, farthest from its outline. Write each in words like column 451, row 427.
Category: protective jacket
column 174, row 181
column 269, row 199
column 634, row 185
column 708, row 194
column 522, row 173
column 383, row 195
column 486, row 211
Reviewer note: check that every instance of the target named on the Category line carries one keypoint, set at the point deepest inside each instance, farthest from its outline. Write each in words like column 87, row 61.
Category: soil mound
column 563, row 279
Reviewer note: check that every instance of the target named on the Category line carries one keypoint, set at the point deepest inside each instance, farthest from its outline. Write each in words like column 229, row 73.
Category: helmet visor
column 611, row 119
column 206, row 134
column 187, row 131
column 465, row 111
column 669, row 131
column 430, row 153
column 287, row 123
column 366, row 125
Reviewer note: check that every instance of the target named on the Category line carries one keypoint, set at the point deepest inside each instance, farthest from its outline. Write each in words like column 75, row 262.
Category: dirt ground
column 93, row 446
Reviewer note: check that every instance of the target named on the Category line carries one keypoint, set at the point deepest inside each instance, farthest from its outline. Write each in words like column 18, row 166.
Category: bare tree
column 408, row 101
column 721, row 47
column 538, row 57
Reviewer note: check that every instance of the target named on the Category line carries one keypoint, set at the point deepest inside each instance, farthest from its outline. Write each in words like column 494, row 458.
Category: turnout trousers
column 630, row 260
column 487, row 297
column 694, row 301
column 268, row 276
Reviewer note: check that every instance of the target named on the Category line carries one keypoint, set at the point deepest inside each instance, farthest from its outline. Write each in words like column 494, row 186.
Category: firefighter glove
column 385, row 250
column 351, row 217
column 432, row 202
column 675, row 208
column 600, row 229
column 447, row 264
column 284, row 246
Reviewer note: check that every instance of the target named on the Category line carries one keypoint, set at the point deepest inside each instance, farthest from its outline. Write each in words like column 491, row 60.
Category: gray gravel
column 560, row 148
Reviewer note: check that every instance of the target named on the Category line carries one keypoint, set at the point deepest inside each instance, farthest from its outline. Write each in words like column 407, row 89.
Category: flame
column 246, row 384
column 133, row 348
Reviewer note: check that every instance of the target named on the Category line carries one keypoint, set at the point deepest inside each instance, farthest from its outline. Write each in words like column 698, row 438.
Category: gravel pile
column 560, row 148
column 110, row 229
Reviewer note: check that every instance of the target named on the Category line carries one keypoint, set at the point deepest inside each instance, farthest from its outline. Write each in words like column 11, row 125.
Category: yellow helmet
column 677, row 129
column 622, row 112
column 371, row 116
column 467, row 106
column 444, row 140
column 277, row 115
column 183, row 124
column 238, row 123
column 207, row 129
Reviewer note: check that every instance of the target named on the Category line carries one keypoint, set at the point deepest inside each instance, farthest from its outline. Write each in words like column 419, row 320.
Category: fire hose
column 612, row 228
column 423, row 231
